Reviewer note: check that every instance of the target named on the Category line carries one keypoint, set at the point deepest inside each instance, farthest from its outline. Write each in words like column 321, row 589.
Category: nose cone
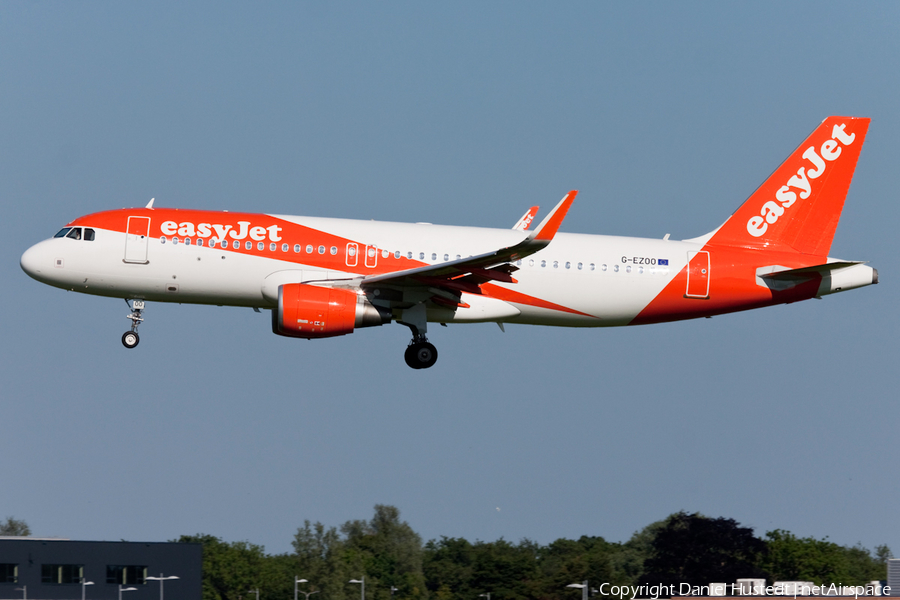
column 36, row 262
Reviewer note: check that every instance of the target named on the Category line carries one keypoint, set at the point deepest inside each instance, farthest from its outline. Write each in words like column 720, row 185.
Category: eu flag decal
column 662, row 261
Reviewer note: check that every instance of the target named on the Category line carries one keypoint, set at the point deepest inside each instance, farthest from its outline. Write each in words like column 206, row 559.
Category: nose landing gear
column 130, row 339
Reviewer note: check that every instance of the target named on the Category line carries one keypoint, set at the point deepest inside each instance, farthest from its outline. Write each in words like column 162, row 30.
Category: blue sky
column 665, row 117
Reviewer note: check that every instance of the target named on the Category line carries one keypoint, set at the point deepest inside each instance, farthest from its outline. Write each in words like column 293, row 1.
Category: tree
column 387, row 551
column 807, row 559
column 320, row 559
column 627, row 561
column 458, row 570
column 569, row 561
column 14, row 527
column 230, row 569
column 691, row 548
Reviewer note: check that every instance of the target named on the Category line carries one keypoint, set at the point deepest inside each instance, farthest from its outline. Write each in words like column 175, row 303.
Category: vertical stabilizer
column 799, row 205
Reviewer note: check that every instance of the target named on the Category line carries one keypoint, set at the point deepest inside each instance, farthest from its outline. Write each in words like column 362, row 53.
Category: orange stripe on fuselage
column 508, row 295
column 189, row 222
column 288, row 233
column 732, row 286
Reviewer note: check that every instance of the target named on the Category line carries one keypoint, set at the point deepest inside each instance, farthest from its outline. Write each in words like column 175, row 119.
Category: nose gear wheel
column 130, row 339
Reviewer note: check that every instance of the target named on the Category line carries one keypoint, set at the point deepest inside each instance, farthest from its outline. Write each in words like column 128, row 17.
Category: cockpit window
column 62, row 232
column 88, row 234
column 75, row 234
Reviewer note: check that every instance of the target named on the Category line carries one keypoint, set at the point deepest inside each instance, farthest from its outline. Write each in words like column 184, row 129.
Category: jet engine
column 309, row 311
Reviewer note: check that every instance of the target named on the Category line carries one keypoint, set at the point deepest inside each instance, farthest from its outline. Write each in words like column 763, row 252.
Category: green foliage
column 386, row 551
column 456, row 569
column 320, row 559
column 807, row 559
column 691, row 548
column 14, row 527
column 231, row 570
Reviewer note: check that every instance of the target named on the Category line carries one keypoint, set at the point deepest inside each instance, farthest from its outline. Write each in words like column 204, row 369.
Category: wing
column 527, row 218
column 446, row 281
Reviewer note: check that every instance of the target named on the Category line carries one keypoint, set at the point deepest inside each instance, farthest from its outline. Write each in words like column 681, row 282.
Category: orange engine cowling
column 309, row 311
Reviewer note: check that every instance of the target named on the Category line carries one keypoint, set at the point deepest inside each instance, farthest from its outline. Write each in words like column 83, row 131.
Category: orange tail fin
column 799, row 205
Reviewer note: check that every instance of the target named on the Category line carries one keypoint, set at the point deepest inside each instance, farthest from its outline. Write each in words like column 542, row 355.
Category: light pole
column 160, row 579
column 84, row 585
column 128, row 589
column 306, row 594
column 363, row 582
column 256, row 591
column 393, row 589
column 24, row 589
column 485, row 595
column 583, row 586
column 296, row 581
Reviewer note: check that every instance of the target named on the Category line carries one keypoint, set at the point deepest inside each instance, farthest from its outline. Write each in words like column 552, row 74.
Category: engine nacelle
column 310, row 311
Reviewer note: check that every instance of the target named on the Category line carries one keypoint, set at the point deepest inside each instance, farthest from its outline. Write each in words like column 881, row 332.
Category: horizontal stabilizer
column 833, row 277
column 805, row 272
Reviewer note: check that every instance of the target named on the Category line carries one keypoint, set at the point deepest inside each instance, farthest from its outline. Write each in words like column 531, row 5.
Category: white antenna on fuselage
column 150, row 204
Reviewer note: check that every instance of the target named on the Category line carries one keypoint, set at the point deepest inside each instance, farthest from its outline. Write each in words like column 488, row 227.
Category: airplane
column 324, row 277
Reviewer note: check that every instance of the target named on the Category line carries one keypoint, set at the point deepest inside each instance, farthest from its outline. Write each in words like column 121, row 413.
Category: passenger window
column 272, row 247
column 421, row 256
column 261, row 246
column 162, row 239
column 531, row 262
column 333, row 250
column 309, row 248
column 434, row 256
column 397, row 254
column 236, row 245
column 62, row 232
column 296, row 248
column 199, row 241
column 555, row 264
column 175, row 241
column 579, row 266
column 224, row 246
column 409, row 255
column 75, row 234
column 568, row 265
column 284, row 247
column 616, row 268
column 321, row 249
column 248, row 245
column 88, row 234
column 446, row 257
column 543, row 263
column 187, row 241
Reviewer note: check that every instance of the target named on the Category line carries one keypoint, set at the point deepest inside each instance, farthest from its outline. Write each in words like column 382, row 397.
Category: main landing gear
column 420, row 354
column 130, row 339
